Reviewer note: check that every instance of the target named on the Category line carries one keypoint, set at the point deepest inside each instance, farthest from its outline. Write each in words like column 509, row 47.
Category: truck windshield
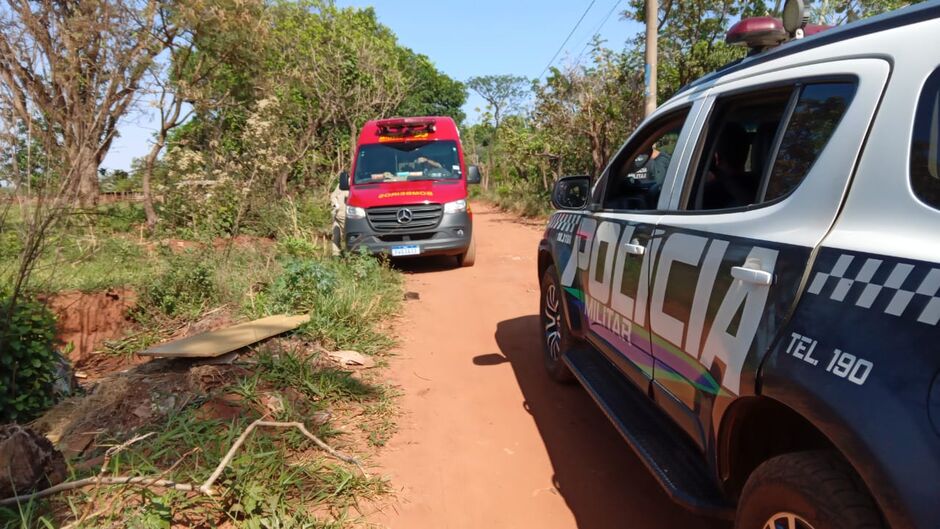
column 407, row 161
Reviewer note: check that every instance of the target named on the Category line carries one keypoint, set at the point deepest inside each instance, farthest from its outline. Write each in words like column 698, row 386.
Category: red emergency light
column 404, row 126
column 757, row 33
column 761, row 33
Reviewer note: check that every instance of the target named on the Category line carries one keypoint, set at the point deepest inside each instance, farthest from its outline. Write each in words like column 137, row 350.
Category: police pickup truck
column 758, row 313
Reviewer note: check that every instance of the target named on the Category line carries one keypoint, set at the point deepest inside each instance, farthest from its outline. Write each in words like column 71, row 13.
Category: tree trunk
column 280, row 185
column 353, row 136
column 149, row 162
column 85, row 171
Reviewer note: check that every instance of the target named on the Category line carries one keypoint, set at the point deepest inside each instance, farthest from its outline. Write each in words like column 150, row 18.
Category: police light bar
column 757, row 33
column 405, row 126
column 760, row 33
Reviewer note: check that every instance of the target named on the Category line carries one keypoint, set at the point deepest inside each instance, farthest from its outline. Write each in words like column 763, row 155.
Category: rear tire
column 556, row 336
column 806, row 490
column 467, row 258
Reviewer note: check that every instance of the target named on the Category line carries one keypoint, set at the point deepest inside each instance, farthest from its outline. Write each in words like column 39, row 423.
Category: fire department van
column 751, row 288
column 407, row 191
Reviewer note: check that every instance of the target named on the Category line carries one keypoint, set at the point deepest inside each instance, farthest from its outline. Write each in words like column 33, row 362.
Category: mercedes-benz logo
column 405, row 216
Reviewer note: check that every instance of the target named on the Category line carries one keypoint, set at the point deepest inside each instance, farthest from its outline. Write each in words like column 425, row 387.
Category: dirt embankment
column 88, row 319
column 486, row 438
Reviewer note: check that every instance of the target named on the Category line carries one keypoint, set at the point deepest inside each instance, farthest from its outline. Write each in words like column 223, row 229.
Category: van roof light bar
column 405, row 126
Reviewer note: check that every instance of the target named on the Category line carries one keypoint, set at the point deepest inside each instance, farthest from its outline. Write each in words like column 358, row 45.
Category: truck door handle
column 635, row 249
column 751, row 275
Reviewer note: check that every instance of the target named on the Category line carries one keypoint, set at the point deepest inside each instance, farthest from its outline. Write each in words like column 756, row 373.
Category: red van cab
column 408, row 190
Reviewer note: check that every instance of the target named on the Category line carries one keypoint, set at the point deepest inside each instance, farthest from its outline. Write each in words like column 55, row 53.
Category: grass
column 279, row 479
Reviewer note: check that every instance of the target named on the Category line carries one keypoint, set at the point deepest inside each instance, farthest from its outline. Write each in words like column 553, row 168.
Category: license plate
column 401, row 251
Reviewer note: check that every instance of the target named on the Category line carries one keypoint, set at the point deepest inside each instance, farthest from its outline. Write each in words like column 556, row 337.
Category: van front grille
column 392, row 219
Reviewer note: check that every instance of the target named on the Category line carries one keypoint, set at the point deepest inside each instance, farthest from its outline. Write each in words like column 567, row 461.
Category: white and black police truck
column 751, row 288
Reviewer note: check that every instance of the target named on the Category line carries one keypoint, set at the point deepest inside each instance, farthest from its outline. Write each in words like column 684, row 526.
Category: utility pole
column 652, row 37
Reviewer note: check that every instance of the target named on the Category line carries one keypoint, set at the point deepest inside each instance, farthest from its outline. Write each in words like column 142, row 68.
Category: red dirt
column 486, row 438
column 87, row 320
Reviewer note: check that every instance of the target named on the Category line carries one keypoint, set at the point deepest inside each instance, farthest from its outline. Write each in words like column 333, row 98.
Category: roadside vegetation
column 194, row 413
column 225, row 220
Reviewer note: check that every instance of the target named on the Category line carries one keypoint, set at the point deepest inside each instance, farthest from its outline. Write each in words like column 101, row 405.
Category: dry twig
column 157, row 481
column 206, row 488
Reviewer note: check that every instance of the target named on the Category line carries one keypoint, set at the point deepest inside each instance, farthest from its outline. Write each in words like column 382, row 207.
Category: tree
column 691, row 37
column 835, row 12
column 432, row 93
column 192, row 33
column 71, row 71
column 503, row 94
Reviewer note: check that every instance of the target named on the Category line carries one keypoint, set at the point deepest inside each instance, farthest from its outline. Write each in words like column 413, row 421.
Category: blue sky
column 463, row 39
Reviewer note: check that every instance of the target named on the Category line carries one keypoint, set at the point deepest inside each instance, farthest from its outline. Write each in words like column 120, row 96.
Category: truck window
column 407, row 161
column 925, row 144
column 761, row 146
column 815, row 117
column 738, row 150
column 635, row 178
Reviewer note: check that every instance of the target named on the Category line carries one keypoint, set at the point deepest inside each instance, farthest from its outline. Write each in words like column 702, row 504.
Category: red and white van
column 408, row 191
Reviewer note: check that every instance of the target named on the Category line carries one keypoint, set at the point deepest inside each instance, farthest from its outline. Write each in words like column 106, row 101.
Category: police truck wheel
column 467, row 258
column 556, row 336
column 806, row 490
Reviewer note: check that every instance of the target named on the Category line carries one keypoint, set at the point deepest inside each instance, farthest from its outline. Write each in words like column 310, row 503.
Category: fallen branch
column 80, row 483
column 206, row 488
column 104, row 467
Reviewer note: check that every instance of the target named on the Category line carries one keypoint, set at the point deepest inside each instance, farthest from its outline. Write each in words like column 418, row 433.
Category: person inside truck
column 728, row 184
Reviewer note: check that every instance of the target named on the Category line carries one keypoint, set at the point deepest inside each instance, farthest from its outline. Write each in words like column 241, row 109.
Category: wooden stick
column 206, row 488
column 123, row 480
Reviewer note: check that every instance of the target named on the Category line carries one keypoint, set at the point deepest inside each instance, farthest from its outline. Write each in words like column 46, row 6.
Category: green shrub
column 301, row 286
column 184, row 289
column 298, row 247
column 121, row 217
column 349, row 300
column 298, row 217
column 27, row 359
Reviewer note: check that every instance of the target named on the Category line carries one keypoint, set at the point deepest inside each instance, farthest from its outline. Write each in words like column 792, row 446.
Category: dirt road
column 486, row 439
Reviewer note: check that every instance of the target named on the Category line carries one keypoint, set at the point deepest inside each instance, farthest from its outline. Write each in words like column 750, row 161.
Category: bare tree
column 504, row 94
column 71, row 71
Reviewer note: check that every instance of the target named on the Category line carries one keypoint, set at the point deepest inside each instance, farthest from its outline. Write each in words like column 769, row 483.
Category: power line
column 597, row 30
column 578, row 23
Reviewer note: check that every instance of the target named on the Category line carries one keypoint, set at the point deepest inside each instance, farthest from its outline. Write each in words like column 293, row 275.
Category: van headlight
column 457, row 206
column 354, row 212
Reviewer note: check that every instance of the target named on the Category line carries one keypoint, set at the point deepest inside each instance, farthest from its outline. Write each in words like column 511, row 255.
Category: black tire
column 818, row 489
column 467, row 258
column 556, row 336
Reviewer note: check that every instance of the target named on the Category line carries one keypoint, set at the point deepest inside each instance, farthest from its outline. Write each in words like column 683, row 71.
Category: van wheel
column 556, row 336
column 806, row 490
column 467, row 258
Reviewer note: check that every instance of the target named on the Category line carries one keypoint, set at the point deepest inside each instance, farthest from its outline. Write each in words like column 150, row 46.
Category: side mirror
column 344, row 181
column 572, row 192
column 473, row 175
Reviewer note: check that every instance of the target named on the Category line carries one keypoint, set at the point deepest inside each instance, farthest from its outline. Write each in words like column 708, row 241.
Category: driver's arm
column 428, row 161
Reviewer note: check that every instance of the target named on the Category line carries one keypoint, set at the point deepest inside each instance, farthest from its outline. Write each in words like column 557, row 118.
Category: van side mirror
column 473, row 175
column 344, row 181
column 572, row 192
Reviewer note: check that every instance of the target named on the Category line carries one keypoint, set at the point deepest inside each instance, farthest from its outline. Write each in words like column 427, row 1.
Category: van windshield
column 407, row 161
